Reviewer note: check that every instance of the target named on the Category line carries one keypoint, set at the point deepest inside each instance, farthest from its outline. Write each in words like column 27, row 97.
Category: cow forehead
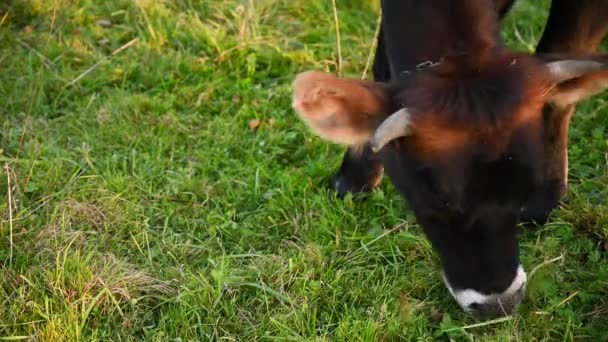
column 483, row 92
column 454, row 108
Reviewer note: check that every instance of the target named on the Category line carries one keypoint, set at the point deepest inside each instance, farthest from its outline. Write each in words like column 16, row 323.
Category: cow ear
column 340, row 110
column 578, row 89
column 578, row 79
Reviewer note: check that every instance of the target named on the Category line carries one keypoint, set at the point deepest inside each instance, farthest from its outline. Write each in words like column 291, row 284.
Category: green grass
column 145, row 207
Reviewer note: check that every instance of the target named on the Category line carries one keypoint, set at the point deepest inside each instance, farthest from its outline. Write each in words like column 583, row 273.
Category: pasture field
column 156, row 185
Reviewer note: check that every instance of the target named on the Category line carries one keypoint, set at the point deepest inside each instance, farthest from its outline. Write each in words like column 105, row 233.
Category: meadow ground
column 157, row 185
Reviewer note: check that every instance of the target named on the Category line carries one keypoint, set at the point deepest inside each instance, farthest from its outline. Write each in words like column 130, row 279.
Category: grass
column 144, row 206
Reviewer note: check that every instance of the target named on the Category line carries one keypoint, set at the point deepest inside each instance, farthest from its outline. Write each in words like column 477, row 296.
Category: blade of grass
column 9, row 192
column 338, row 40
column 96, row 65
column 372, row 49
column 481, row 324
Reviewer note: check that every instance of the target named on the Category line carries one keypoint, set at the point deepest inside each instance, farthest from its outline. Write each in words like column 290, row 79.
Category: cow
column 472, row 135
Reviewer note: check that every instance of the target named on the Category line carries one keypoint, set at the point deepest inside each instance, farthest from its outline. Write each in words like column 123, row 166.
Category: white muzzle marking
column 467, row 297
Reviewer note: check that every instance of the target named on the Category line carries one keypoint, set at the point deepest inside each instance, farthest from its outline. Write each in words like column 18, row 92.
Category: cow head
column 461, row 141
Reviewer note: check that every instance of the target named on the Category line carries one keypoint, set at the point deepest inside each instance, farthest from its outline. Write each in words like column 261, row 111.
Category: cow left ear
column 340, row 110
column 577, row 79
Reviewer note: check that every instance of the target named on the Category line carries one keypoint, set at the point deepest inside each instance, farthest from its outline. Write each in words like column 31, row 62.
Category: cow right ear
column 577, row 79
column 340, row 110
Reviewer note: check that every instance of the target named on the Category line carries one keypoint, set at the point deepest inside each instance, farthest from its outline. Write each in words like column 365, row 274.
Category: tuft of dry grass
column 78, row 212
column 124, row 283
column 588, row 219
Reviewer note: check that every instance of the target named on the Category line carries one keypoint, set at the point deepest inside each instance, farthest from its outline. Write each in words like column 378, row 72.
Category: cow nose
column 498, row 305
column 485, row 306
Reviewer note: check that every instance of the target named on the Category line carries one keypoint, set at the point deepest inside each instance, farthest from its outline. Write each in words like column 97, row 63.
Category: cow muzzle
column 486, row 306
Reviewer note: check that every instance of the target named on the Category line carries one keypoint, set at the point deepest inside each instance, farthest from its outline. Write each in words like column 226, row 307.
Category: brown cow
column 474, row 142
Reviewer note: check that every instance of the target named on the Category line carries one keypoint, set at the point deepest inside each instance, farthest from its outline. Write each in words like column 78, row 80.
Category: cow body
column 477, row 153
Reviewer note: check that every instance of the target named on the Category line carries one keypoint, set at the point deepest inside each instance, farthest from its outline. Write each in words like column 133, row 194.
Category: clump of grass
column 588, row 219
column 83, row 213
column 125, row 284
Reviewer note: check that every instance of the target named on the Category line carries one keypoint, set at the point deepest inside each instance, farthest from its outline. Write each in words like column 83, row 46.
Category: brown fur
column 466, row 102
column 481, row 36
column 434, row 139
